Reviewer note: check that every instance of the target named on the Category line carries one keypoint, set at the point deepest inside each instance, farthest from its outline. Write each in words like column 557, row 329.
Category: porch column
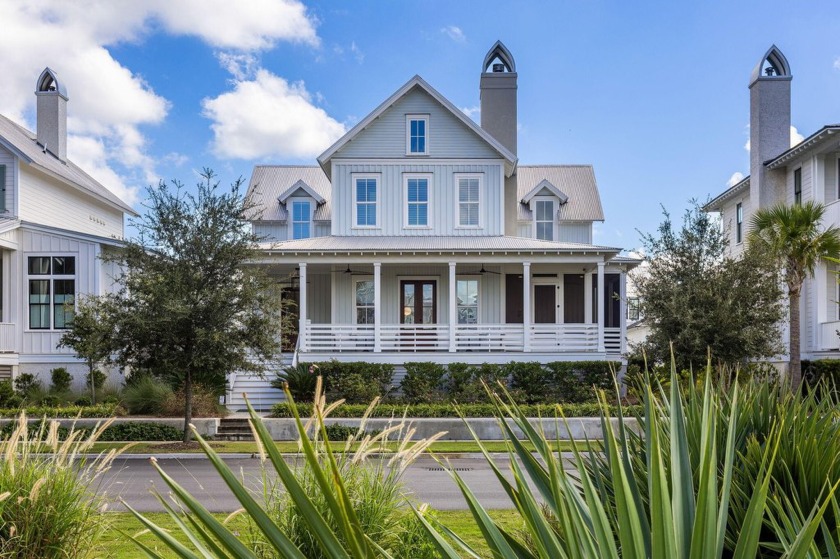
column 623, row 310
column 601, row 306
column 526, row 302
column 377, row 307
column 302, row 333
column 453, row 307
column 587, row 297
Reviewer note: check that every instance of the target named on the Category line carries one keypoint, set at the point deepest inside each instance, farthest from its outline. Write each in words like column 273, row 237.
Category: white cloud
column 473, row 112
column 455, row 33
column 736, row 177
column 241, row 65
column 357, row 52
column 795, row 138
column 109, row 104
column 268, row 116
column 837, row 63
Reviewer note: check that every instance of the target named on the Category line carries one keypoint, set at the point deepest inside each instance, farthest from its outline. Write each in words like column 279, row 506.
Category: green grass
column 247, row 447
column 117, row 544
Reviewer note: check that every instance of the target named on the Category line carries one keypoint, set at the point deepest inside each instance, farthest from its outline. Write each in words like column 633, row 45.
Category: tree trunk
column 795, row 367
column 188, row 395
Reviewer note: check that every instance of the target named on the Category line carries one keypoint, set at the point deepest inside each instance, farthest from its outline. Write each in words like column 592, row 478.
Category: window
column 365, row 202
column 416, row 134
column 544, row 219
column 364, row 302
column 301, row 220
column 468, row 201
column 739, row 223
column 2, row 188
column 417, row 201
column 633, row 308
column 797, row 186
column 467, row 295
column 52, row 291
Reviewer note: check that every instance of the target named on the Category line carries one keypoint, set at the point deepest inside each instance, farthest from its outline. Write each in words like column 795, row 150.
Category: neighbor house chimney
column 52, row 114
column 769, row 127
column 498, row 96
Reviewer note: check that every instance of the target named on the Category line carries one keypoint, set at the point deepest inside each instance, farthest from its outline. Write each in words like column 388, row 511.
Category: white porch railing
column 564, row 337
column 337, row 337
column 489, row 337
column 828, row 335
column 7, row 337
column 415, row 337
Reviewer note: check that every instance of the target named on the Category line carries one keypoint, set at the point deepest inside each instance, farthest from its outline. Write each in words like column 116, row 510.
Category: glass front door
column 418, row 301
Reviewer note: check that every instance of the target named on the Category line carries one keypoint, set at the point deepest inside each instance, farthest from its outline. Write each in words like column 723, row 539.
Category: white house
column 55, row 222
column 780, row 172
column 418, row 236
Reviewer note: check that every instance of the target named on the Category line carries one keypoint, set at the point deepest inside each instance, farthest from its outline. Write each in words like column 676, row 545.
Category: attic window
column 416, row 134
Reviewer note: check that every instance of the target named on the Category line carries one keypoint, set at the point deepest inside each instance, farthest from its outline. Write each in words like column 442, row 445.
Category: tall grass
column 49, row 509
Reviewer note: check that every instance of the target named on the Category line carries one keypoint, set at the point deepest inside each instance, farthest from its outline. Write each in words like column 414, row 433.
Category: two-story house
column 418, row 236
column 779, row 172
column 55, row 222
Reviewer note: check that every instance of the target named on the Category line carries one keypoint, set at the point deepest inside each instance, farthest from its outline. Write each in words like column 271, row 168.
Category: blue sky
column 653, row 94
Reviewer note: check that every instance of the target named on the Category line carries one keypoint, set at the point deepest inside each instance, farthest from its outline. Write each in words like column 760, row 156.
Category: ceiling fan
column 481, row 272
column 350, row 272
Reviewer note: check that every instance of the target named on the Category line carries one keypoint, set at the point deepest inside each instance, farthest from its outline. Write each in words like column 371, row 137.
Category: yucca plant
column 48, row 502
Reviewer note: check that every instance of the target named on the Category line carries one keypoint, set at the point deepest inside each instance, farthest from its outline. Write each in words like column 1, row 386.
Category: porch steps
column 234, row 429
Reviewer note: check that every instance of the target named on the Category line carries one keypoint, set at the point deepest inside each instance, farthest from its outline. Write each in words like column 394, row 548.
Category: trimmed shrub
column 27, row 384
column 8, row 397
column 61, row 380
column 96, row 377
column 146, row 396
column 133, row 431
column 464, row 382
column 573, row 381
column 358, row 382
column 424, row 383
column 823, row 377
column 101, row 410
column 530, row 379
column 339, row 432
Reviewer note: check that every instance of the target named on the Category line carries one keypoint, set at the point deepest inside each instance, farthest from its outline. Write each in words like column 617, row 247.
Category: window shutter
column 2, row 188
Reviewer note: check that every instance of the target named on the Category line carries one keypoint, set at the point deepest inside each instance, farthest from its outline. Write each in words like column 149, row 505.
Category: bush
column 26, row 385
column 823, row 377
column 135, row 431
column 205, row 404
column 339, row 432
column 97, row 378
column 101, row 410
column 357, row 383
column 423, row 383
column 573, row 381
column 301, row 380
column 8, row 397
column 449, row 410
column 61, row 380
column 83, row 401
column 146, row 396
column 464, row 382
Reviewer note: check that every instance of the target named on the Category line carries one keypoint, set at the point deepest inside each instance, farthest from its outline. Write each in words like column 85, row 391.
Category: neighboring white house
column 418, row 236
column 55, row 222
column 809, row 170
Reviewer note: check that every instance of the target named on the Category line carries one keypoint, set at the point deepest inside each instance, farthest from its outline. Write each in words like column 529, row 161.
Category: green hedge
column 822, row 375
column 357, row 382
column 448, row 410
column 99, row 410
column 119, row 432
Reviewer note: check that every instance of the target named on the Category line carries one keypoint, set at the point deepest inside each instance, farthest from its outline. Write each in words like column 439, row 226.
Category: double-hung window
column 739, row 223
column 52, row 292
column 365, row 205
column 417, row 201
column 365, row 302
column 633, row 308
column 544, row 219
column 469, row 194
column 301, row 219
column 467, row 293
column 416, row 134
column 797, row 186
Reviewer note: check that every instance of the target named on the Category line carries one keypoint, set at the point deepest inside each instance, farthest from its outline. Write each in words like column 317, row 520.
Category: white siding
column 728, row 219
column 318, row 298
column 46, row 201
column 447, row 136
column 831, row 186
column 807, row 183
column 279, row 231
column 443, row 199
column 575, row 232
column 8, row 160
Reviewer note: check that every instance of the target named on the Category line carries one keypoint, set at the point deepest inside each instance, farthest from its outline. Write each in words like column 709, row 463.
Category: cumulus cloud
column 736, row 177
column 473, row 112
column 109, row 104
column 795, row 138
column 837, row 63
column 455, row 33
column 268, row 116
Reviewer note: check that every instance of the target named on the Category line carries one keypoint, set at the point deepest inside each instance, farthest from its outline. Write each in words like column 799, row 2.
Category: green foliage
column 26, row 385
column 301, row 380
column 423, row 383
column 48, row 503
column 8, row 397
column 91, row 336
column 443, row 410
column 100, row 410
column 146, row 395
column 697, row 298
column 465, row 383
column 339, row 432
column 61, row 380
column 95, row 379
column 823, row 377
column 356, row 382
column 140, row 431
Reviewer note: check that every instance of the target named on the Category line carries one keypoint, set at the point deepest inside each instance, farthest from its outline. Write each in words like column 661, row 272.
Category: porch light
column 406, row 311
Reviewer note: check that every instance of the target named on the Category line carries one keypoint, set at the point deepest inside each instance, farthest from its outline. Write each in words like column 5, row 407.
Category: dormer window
column 417, row 134
column 301, row 219
column 544, row 219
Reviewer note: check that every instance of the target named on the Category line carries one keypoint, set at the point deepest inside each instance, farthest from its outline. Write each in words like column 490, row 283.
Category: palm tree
column 793, row 237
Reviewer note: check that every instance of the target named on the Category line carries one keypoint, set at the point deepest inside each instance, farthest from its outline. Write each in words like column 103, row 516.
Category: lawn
column 117, row 545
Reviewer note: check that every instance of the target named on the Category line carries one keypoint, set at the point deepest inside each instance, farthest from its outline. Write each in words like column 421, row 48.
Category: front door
column 545, row 304
column 418, row 301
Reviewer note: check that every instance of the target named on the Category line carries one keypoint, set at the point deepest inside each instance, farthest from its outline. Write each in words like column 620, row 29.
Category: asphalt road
column 133, row 479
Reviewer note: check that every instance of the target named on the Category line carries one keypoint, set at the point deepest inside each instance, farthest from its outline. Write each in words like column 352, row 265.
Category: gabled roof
column 270, row 182
column 717, row 203
column 301, row 185
column 418, row 82
column 22, row 143
column 576, row 182
column 545, row 185
column 814, row 140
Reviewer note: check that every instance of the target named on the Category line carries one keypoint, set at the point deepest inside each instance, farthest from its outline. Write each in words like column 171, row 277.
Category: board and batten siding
column 566, row 232
column 46, row 201
column 807, row 182
column 443, row 205
column 447, row 136
column 9, row 162
column 279, row 231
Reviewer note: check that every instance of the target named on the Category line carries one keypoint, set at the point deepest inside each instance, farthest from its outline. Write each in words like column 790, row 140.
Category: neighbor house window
column 364, row 302
column 544, row 219
column 2, row 188
column 301, row 220
column 366, row 198
column 633, row 308
column 467, row 294
column 417, row 201
column 417, row 130
column 739, row 223
column 469, row 193
column 52, row 291
column 797, row 186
